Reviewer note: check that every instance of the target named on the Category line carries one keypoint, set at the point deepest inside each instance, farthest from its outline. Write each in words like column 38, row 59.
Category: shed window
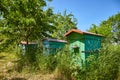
column 75, row 49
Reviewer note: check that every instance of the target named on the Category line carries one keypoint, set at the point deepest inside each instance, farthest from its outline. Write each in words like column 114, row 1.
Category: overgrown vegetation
column 106, row 67
column 24, row 20
column 109, row 28
column 62, row 65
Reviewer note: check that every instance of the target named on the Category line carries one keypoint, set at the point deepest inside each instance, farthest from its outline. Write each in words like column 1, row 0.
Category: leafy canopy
column 110, row 28
column 26, row 19
column 63, row 22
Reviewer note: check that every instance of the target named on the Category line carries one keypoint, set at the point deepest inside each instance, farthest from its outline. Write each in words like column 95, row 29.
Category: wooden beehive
column 83, row 43
column 51, row 46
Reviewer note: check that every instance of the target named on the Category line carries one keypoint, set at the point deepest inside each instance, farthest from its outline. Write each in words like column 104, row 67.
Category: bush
column 106, row 67
column 66, row 64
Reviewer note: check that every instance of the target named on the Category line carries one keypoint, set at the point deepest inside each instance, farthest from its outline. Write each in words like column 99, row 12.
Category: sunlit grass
column 8, row 72
column 63, row 69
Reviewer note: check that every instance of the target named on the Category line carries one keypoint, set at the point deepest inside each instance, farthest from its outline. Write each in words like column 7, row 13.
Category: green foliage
column 68, row 65
column 47, row 64
column 65, row 63
column 26, row 20
column 109, row 28
column 63, row 23
column 93, row 29
column 106, row 67
column 63, row 66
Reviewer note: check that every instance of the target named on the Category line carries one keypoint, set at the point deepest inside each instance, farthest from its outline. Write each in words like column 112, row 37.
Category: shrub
column 106, row 67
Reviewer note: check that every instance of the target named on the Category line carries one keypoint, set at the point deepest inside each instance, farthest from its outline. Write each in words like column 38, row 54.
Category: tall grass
column 105, row 67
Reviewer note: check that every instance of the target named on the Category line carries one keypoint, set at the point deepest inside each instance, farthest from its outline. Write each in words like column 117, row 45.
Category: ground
column 7, row 72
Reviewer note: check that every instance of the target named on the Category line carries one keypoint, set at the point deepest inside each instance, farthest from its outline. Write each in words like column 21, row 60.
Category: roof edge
column 55, row 40
column 73, row 30
column 81, row 32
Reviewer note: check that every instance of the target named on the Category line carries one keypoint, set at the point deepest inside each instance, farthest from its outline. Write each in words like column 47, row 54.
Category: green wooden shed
column 30, row 48
column 51, row 46
column 83, row 43
column 31, row 45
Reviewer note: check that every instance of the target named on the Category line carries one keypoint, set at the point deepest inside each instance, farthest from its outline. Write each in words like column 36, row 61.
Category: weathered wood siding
column 75, row 39
column 50, row 47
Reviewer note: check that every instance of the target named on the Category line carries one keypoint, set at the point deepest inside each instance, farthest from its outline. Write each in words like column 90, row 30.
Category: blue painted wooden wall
column 51, row 46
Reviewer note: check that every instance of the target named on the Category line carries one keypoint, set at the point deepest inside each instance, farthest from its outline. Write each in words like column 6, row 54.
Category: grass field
column 8, row 72
column 8, row 62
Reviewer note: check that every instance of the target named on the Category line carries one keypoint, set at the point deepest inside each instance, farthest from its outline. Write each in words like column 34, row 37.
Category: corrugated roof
column 81, row 32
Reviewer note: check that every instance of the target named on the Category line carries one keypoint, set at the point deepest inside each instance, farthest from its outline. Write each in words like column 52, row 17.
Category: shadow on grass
column 1, row 57
column 2, row 77
column 15, row 78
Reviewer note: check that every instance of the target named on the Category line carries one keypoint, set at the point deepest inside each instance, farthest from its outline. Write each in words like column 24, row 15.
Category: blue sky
column 87, row 12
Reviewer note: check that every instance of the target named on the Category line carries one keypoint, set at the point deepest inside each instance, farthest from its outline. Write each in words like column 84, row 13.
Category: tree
column 109, row 28
column 25, row 20
column 93, row 29
column 115, row 23
column 63, row 24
